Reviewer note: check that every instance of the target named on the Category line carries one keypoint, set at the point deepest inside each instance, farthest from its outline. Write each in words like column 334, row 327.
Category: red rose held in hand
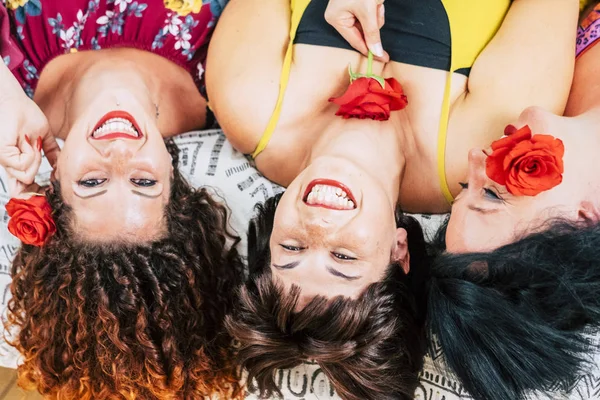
column 31, row 220
column 525, row 164
column 365, row 98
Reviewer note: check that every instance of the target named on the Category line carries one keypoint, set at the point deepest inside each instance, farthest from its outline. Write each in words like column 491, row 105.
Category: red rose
column 365, row 98
column 525, row 164
column 31, row 220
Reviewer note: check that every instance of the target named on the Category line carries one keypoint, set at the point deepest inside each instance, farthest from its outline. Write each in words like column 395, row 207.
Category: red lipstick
column 328, row 182
column 116, row 135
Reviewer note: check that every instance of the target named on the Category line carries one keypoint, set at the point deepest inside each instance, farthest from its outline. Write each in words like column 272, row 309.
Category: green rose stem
column 369, row 73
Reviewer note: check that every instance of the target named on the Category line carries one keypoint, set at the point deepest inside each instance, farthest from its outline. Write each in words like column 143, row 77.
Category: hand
column 359, row 22
column 24, row 132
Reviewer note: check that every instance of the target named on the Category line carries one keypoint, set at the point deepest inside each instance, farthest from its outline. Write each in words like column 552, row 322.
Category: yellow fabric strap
column 297, row 9
column 473, row 23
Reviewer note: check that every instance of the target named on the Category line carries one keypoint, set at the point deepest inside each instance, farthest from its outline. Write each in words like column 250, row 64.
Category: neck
column 119, row 79
column 379, row 148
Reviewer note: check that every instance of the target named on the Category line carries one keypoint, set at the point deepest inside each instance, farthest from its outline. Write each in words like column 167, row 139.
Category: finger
column 15, row 188
column 384, row 59
column 51, row 149
column 380, row 15
column 368, row 18
column 27, row 176
column 354, row 36
column 19, row 158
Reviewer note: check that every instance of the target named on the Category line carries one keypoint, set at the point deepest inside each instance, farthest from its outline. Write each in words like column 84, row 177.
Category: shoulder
column 244, row 64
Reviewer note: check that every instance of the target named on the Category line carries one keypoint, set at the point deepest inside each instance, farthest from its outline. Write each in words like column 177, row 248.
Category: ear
column 400, row 252
column 588, row 212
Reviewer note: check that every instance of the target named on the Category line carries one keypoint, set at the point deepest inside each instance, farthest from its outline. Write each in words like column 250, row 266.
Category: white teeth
column 330, row 196
column 116, row 125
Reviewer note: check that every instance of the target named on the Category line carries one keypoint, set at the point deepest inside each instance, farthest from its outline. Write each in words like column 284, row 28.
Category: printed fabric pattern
column 33, row 32
column 588, row 32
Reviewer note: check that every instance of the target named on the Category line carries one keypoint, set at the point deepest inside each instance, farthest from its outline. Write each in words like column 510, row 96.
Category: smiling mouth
column 115, row 125
column 329, row 194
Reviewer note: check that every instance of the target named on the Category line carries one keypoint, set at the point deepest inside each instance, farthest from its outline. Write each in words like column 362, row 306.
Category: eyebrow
column 100, row 193
column 481, row 210
column 153, row 196
column 330, row 269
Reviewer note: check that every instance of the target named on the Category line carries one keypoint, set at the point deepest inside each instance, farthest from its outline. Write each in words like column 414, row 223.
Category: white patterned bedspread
column 207, row 159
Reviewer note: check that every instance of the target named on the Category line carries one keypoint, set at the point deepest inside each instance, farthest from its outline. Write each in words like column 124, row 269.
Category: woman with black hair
column 516, row 294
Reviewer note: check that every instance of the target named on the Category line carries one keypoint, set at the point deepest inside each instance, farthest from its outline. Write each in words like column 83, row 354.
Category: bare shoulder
column 244, row 63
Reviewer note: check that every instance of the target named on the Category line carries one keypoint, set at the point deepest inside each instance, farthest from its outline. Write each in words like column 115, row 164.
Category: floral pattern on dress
column 184, row 7
column 23, row 8
column 176, row 29
column 180, row 29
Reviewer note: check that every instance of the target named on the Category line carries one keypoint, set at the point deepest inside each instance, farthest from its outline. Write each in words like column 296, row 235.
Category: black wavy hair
column 518, row 318
column 371, row 347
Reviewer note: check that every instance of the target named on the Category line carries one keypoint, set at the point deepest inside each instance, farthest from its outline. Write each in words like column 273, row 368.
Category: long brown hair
column 129, row 321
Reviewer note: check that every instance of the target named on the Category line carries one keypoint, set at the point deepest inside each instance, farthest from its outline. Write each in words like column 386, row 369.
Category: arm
column 529, row 62
column 244, row 63
column 24, row 131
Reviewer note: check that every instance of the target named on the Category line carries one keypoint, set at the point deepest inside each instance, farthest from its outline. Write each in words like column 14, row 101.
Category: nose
column 477, row 175
column 117, row 148
column 319, row 220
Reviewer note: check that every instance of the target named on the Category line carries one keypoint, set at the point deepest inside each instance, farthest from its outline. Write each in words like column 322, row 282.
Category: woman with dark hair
column 516, row 294
column 370, row 347
column 126, row 272
column 403, row 142
column 457, row 72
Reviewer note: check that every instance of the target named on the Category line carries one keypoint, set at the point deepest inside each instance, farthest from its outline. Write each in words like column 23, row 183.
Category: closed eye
column 490, row 194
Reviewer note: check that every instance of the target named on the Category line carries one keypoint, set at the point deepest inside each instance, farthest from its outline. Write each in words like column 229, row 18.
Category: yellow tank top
column 473, row 23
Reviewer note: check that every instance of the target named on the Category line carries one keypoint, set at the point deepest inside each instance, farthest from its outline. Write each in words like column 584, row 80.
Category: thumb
column 51, row 149
column 369, row 21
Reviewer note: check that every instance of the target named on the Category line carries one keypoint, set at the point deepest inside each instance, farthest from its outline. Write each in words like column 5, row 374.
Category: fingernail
column 381, row 11
column 28, row 140
column 377, row 49
column 39, row 143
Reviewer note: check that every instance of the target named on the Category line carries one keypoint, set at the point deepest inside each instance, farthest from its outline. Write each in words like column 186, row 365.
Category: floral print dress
column 33, row 32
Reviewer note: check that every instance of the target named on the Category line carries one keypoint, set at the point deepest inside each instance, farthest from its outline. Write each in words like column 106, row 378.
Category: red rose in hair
column 366, row 98
column 31, row 220
column 525, row 164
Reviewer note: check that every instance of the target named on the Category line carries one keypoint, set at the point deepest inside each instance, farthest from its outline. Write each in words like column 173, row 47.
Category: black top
column 415, row 32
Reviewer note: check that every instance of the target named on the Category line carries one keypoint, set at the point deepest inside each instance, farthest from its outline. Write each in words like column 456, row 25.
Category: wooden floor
column 9, row 389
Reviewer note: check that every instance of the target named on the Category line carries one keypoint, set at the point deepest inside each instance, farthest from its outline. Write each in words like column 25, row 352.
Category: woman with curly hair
column 126, row 272
column 123, row 320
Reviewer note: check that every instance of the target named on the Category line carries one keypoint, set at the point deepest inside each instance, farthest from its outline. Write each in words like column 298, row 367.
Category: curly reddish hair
column 129, row 321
